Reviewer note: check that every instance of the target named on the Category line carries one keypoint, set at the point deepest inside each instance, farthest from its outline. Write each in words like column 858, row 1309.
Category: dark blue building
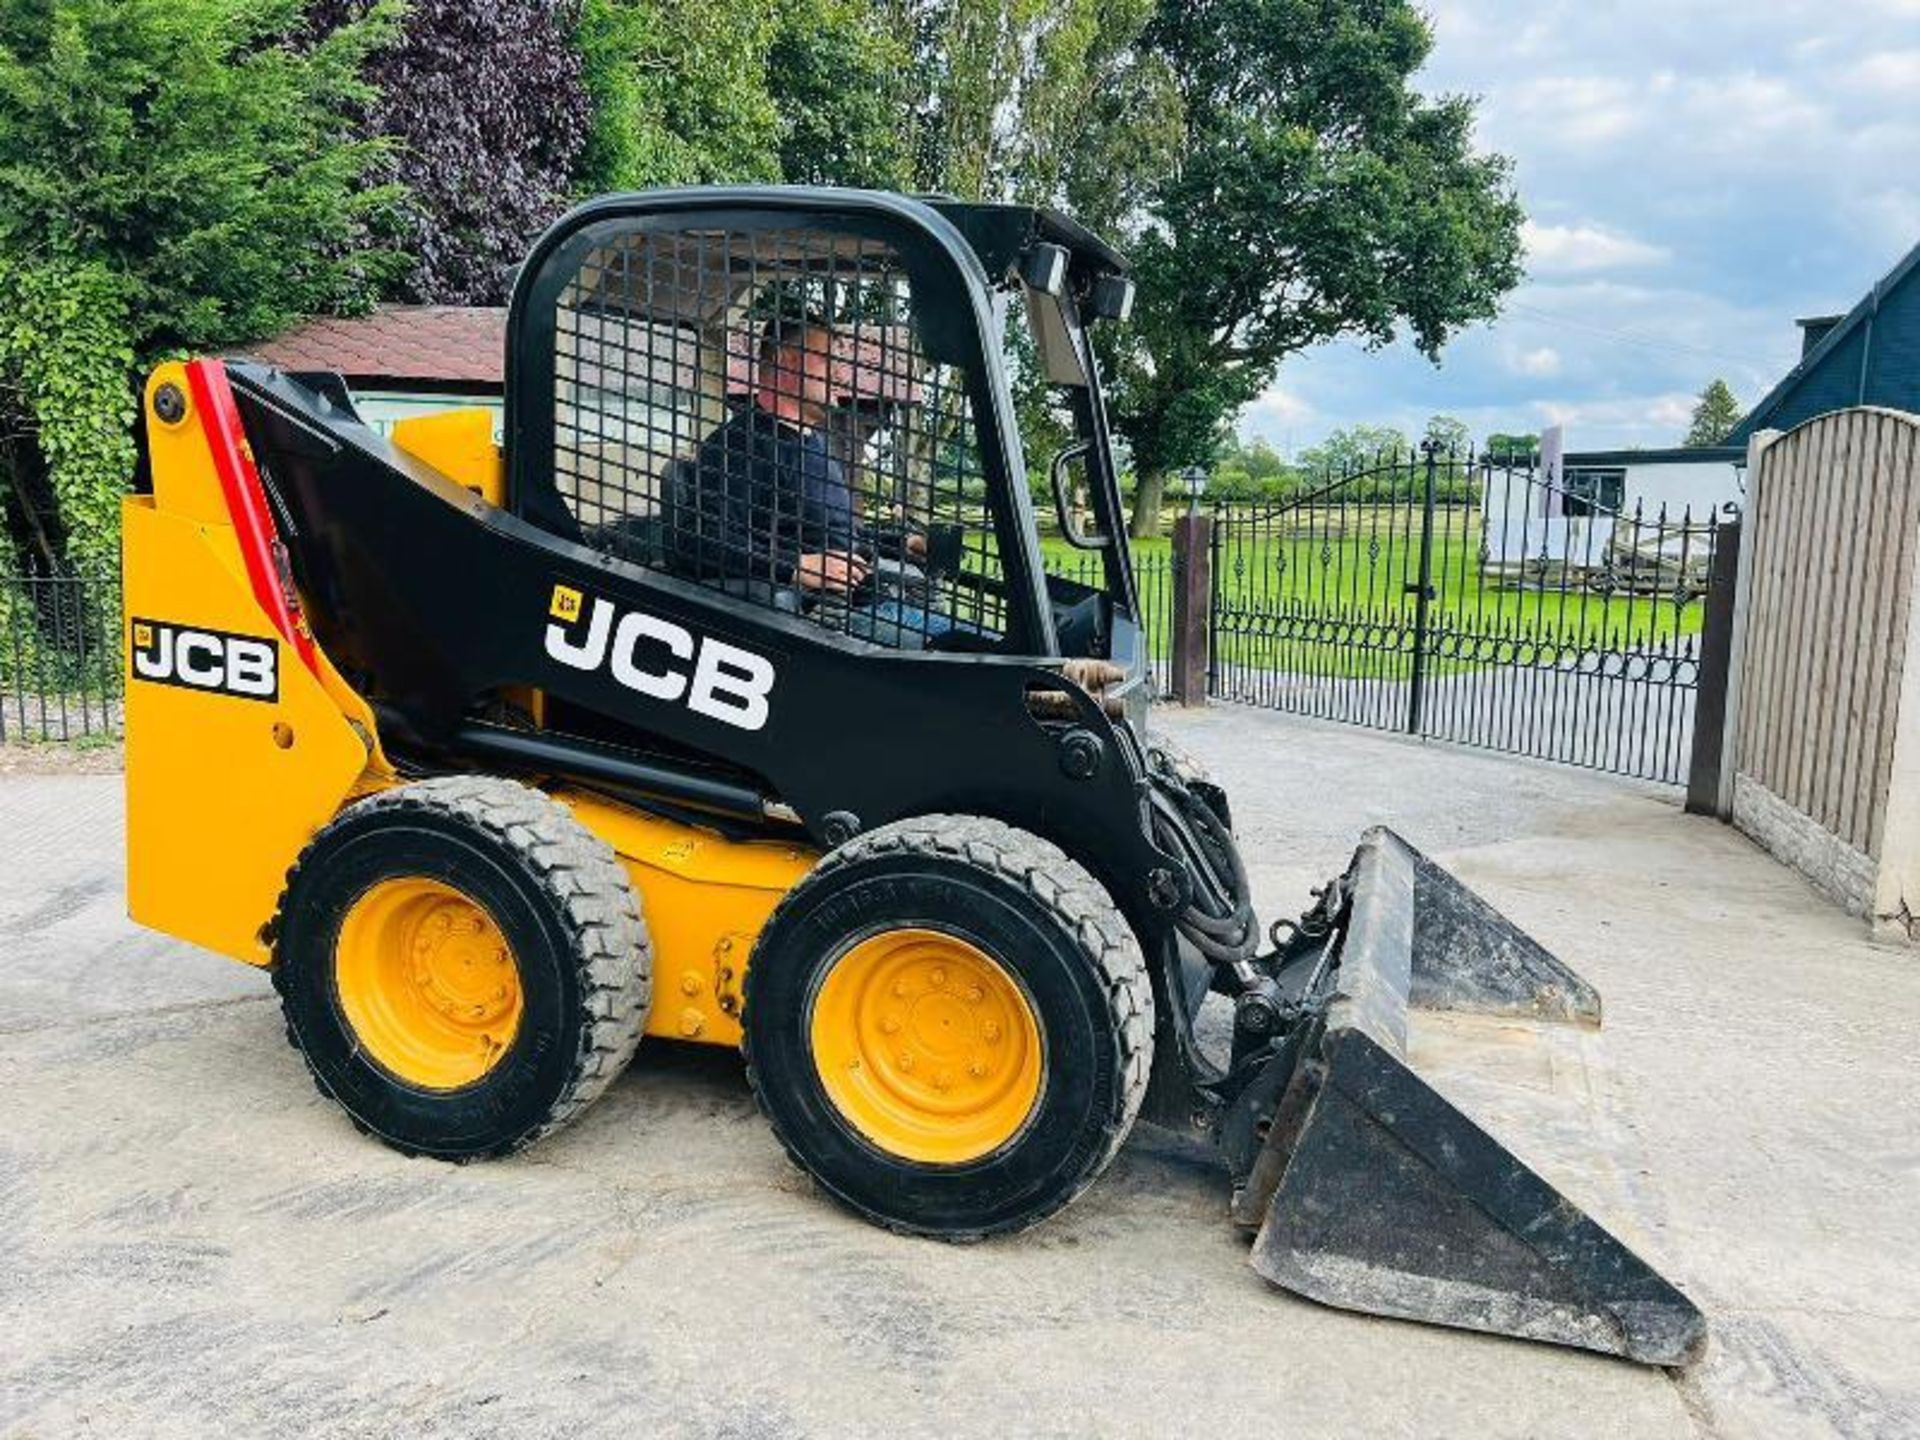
column 1869, row 356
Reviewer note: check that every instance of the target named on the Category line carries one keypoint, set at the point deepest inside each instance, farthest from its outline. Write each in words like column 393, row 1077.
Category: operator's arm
column 834, row 550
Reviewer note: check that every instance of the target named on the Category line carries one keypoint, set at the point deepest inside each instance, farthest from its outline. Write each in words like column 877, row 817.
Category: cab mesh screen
column 753, row 411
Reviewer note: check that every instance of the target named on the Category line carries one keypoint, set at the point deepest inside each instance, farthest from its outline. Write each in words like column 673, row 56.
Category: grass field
column 1330, row 598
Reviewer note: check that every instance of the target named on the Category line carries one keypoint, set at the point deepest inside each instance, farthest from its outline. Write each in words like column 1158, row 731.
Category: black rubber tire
column 565, row 905
column 1044, row 919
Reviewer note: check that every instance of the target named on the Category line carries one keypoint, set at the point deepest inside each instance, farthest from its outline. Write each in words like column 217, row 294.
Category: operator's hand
column 916, row 545
column 834, row 571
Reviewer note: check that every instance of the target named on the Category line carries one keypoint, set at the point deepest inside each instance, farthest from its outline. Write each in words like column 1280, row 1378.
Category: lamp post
column 1194, row 477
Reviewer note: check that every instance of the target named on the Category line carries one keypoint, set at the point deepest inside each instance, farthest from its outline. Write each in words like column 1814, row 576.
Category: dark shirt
column 760, row 493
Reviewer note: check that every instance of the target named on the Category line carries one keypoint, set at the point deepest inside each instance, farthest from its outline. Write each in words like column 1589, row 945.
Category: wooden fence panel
column 1832, row 538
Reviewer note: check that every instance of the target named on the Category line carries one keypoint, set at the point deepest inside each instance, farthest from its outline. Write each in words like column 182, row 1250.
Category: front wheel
column 949, row 1025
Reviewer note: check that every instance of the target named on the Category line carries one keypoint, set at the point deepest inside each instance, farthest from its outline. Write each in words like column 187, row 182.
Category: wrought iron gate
column 1487, row 604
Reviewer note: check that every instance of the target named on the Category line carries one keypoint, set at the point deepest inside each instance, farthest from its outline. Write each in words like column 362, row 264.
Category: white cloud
column 1280, row 407
column 1583, row 111
column 1581, row 249
column 1698, row 174
column 1545, row 360
column 1633, row 419
column 1891, row 72
column 1889, row 217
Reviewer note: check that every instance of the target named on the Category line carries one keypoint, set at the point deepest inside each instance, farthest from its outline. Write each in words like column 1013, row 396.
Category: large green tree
column 997, row 96
column 174, row 174
column 1504, row 449
column 1714, row 416
column 835, row 72
column 679, row 93
column 1313, row 192
column 1354, row 448
column 690, row 92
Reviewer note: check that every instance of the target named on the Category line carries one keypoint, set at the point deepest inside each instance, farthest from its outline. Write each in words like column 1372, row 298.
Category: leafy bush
column 173, row 174
column 485, row 115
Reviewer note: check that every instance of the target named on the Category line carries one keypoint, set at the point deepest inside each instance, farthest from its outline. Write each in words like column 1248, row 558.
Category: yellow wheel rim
column 927, row 1046
column 427, row 983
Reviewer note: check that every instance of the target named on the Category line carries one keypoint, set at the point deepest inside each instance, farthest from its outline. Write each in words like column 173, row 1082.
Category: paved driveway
column 190, row 1240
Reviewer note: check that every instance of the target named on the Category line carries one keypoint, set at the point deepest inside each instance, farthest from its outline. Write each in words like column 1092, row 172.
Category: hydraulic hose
column 1218, row 921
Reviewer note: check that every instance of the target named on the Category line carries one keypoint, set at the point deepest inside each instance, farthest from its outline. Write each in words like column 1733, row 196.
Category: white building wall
column 382, row 409
column 1700, row 489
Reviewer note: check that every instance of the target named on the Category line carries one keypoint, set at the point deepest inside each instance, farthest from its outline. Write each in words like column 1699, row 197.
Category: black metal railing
column 1487, row 604
column 60, row 657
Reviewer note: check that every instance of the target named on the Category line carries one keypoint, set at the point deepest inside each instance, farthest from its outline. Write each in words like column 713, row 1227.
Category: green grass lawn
column 1314, row 594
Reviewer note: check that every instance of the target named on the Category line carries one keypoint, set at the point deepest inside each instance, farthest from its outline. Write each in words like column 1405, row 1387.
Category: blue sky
column 1697, row 174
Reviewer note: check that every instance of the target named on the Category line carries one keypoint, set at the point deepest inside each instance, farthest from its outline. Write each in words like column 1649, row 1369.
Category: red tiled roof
column 462, row 345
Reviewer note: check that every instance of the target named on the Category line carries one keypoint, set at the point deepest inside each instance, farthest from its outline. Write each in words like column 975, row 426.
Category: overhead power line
column 1627, row 337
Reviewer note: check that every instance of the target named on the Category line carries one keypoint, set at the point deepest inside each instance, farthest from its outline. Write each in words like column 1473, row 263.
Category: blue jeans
column 898, row 624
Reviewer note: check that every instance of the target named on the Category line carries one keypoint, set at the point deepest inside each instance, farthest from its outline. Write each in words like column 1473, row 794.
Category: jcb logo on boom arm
column 247, row 666
column 648, row 654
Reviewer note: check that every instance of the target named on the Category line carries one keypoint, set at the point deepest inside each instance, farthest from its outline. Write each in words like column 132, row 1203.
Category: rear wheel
column 949, row 1025
column 463, row 965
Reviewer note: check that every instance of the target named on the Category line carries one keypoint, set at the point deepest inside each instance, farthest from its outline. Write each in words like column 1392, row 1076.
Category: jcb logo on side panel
column 247, row 666
column 659, row 659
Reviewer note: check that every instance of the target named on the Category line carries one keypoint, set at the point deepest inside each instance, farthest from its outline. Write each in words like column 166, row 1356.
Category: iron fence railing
column 1491, row 605
column 60, row 656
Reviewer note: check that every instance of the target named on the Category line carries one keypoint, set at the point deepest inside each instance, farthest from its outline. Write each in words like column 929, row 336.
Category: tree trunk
column 1150, row 490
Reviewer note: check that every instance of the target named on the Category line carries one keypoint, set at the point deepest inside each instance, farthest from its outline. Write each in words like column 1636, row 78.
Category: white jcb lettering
column 635, row 627
column 250, row 667
column 157, row 663
column 731, row 684
column 207, row 676
column 649, row 655
column 243, row 665
column 588, row 654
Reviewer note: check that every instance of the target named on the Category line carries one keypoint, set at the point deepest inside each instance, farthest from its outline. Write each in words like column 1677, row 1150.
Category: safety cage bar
column 786, row 403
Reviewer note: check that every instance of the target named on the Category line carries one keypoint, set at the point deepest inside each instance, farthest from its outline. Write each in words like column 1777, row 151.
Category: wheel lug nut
column 906, row 1060
column 939, row 976
column 900, row 989
column 975, row 994
column 891, row 1024
column 990, row 1031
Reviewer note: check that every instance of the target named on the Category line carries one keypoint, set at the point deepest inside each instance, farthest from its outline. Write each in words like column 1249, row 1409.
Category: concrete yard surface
column 192, row 1241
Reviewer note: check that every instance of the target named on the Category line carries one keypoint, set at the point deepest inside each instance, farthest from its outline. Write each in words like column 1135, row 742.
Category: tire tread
column 1084, row 910
column 588, row 892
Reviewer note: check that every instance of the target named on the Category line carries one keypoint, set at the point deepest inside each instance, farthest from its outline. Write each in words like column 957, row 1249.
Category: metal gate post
column 1213, row 603
column 1192, row 605
column 1422, row 592
column 1710, row 693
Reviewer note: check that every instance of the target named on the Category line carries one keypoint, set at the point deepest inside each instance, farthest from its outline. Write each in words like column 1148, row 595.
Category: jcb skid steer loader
column 731, row 703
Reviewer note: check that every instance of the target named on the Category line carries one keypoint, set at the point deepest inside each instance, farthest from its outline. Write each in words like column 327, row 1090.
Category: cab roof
column 1000, row 234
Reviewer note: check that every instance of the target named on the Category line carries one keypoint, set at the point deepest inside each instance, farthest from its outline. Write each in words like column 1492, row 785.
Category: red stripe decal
column 247, row 503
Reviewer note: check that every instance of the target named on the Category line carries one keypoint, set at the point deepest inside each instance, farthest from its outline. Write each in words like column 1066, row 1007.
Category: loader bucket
column 1376, row 1192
